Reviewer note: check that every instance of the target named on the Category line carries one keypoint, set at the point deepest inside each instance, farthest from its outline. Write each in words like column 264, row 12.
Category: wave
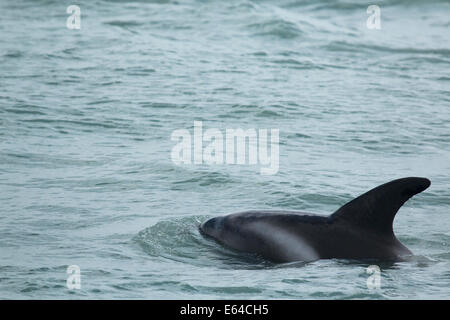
column 179, row 240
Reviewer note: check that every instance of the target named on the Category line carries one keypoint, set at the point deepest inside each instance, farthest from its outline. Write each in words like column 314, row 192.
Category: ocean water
column 86, row 118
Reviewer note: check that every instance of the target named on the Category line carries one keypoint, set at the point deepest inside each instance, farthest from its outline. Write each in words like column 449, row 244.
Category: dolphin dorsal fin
column 375, row 210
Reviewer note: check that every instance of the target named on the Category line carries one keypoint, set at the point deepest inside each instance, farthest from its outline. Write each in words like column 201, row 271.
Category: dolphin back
column 375, row 210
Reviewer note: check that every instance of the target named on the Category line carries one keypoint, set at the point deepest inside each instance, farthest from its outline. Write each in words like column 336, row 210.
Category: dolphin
column 360, row 229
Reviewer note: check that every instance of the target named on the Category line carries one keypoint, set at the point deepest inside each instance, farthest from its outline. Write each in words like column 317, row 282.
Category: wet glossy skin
column 361, row 229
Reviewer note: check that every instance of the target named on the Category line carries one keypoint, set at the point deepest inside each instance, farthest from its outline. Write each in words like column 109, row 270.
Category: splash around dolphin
column 361, row 229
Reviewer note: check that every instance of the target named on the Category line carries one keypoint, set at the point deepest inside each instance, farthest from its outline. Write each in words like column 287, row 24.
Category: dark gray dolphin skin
column 361, row 229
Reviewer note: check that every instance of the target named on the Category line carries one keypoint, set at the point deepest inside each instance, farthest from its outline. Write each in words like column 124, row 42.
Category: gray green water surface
column 86, row 117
